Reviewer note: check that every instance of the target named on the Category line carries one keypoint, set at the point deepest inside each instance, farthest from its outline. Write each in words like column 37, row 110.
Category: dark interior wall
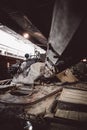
column 3, row 66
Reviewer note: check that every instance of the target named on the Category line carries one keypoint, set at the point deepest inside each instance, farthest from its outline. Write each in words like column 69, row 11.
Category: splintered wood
column 39, row 93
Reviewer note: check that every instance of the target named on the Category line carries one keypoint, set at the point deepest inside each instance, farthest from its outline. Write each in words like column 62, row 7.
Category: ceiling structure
column 14, row 45
column 31, row 16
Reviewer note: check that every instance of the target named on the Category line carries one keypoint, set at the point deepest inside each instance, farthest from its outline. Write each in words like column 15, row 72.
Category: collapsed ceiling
column 32, row 16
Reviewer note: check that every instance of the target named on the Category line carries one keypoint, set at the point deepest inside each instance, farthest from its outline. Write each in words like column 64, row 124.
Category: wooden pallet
column 72, row 104
column 74, row 96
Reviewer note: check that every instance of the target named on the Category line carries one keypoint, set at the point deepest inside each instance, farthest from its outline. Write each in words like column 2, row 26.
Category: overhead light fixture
column 26, row 35
column 84, row 60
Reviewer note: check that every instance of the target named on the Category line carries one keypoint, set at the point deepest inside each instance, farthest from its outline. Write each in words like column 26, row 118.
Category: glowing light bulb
column 26, row 35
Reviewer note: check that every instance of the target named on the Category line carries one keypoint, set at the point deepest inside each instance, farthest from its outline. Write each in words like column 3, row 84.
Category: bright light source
column 84, row 60
column 26, row 35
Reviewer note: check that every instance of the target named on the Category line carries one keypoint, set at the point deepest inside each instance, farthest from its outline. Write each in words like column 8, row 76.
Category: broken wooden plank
column 73, row 115
column 38, row 94
column 73, row 96
column 67, row 76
